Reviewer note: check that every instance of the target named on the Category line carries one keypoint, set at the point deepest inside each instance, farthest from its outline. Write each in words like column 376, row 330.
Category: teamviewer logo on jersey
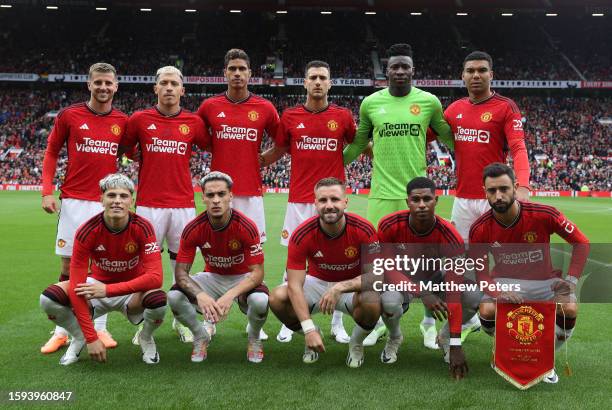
column 167, row 146
column 317, row 144
column 237, row 133
column 472, row 135
column 97, row 146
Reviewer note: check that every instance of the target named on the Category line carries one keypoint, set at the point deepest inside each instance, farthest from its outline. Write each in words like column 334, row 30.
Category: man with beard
column 397, row 117
column 512, row 228
column 314, row 134
column 324, row 273
column 91, row 132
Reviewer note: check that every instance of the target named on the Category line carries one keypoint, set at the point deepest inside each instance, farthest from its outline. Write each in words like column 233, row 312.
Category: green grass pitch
column 419, row 378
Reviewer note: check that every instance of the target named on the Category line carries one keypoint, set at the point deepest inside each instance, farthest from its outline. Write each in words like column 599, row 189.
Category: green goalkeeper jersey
column 399, row 129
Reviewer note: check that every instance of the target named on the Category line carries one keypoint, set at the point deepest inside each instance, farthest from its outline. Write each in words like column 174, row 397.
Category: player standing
column 165, row 134
column 91, row 132
column 237, row 120
column 126, row 273
column 314, row 134
column 511, row 228
column 486, row 125
column 398, row 118
column 324, row 273
column 231, row 247
column 413, row 228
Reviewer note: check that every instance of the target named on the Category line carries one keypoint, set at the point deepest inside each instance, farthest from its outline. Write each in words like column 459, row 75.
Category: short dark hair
column 420, row 183
column 236, row 53
column 330, row 181
column 316, row 64
column 497, row 169
column 400, row 49
column 478, row 55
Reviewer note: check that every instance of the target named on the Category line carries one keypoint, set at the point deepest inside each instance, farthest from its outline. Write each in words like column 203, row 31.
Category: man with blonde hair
column 165, row 134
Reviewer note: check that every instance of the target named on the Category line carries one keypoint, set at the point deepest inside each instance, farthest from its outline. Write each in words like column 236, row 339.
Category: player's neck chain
column 518, row 214
column 222, row 225
column 237, row 101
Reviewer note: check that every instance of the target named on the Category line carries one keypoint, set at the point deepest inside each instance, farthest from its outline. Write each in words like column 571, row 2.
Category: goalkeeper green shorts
column 379, row 208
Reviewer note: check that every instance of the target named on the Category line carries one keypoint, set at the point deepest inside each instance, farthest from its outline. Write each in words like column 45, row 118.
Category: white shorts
column 216, row 285
column 465, row 212
column 168, row 224
column 315, row 288
column 103, row 306
column 296, row 214
column 73, row 213
column 253, row 207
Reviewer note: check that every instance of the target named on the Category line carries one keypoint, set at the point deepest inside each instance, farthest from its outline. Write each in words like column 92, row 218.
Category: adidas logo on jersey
column 496, row 245
column 319, row 254
column 300, row 126
column 206, row 246
column 84, row 127
column 382, row 111
column 221, row 115
column 100, row 248
column 459, row 116
column 152, row 127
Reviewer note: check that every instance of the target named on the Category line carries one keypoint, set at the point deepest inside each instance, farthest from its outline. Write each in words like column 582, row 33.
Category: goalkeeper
column 397, row 117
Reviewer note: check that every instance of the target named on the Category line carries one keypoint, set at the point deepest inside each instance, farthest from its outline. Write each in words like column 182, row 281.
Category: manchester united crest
column 350, row 252
column 415, row 109
column 530, row 237
column 486, row 116
column 131, row 247
column 284, row 234
column 61, row 243
column 234, row 244
column 332, row 125
column 115, row 129
column 525, row 324
column 253, row 115
column 184, row 129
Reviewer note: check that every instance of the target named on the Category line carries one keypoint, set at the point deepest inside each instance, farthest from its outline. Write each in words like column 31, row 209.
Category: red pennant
column 524, row 342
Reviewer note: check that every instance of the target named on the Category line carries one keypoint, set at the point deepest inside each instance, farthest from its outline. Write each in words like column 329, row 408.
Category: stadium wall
column 196, row 188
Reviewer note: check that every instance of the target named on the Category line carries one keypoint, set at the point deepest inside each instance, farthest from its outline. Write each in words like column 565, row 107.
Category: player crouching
column 125, row 275
column 230, row 245
column 331, row 245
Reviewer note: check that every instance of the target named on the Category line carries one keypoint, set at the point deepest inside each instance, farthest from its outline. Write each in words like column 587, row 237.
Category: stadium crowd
column 523, row 48
column 569, row 148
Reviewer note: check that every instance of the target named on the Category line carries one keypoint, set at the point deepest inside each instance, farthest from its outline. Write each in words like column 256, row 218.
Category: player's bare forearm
column 185, row 282
column 295, row 290
column 351, row 285
column 250, row 282
column 272, row 155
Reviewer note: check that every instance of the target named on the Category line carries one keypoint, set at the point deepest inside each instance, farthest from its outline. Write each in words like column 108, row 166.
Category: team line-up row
column 231, row 125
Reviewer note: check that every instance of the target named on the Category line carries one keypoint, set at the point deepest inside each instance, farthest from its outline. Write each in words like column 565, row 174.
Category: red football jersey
column 330, row 259
column 227, row 251
column 484, row 132
column 164, row 177
column 237, row 130
column 522, row 250
column 446, row 241
column 315, row 141
column 128, row 262
column 92, row 140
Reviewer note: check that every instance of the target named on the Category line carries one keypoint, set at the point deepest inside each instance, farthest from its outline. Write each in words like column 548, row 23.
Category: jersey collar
column 116, row 232
column 239, row 101
column 328, row 236
column 316, row 112
column 224, row 227
column 515, row 221
column 96, row 113
column 482, row 101
column 168, row 116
